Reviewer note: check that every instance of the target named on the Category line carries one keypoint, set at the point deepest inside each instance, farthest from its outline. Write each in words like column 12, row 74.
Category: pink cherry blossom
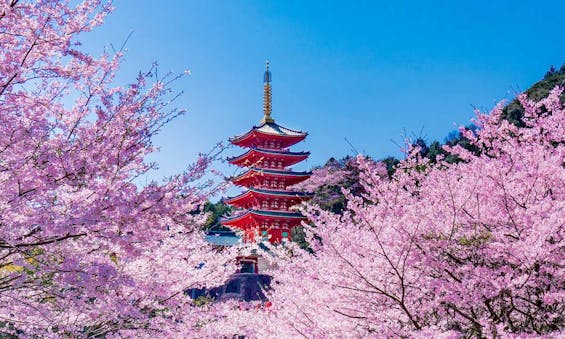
column 473, row 248
column 84, row 251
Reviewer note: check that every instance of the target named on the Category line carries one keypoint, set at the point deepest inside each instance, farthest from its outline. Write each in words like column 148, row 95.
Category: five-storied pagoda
column 264, row 210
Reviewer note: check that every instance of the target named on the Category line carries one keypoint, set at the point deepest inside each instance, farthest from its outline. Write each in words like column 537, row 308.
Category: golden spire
column 267, row 96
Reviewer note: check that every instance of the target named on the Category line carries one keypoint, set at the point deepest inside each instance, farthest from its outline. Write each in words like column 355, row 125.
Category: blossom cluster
column 473, row 248
column 84, row 250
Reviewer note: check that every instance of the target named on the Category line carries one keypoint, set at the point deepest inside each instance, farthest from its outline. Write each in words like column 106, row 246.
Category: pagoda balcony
column 269, row 178
column 276, row 167
column 254, row 219
column 272, row 185
column 267, row 158
column 260, row 198
column 277, row 207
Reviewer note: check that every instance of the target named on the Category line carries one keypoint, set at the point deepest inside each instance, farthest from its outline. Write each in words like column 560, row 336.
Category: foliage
column 83, row 250
column 514, row 112
column 215, row 211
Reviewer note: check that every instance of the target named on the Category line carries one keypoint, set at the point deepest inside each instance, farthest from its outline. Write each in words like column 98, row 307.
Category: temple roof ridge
column 266, row 127
column 269, row 128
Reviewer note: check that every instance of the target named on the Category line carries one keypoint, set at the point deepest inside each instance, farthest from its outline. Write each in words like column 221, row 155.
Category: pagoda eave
column 253, row 218
column 246, row 199
column 256, row 180
column 256, row 156
column 269, row 174
column 271, row 132
column 257, row 138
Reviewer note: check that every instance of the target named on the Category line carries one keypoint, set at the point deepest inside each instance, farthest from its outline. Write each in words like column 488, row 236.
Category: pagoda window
column 283, row 205
column 280, row 164
column 265, row 183
column 265, row 204
column 281, row 185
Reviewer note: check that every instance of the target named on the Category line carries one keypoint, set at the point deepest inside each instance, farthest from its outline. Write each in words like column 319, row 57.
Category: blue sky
column 368, row 71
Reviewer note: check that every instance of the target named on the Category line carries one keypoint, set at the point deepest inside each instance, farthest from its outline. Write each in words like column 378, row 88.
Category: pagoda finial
column 267, row 96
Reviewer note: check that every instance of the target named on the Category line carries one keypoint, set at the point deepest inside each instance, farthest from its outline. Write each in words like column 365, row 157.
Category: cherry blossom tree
column 84, row 250
column 442, row 249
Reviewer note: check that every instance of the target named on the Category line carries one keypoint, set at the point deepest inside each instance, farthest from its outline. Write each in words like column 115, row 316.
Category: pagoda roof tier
column 245, row 199
column 256, row 155
column 267, row 132
column 252, row 218
column 253, row 175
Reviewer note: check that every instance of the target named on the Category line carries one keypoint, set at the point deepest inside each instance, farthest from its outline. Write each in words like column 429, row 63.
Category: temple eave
column 252, row 219
column 271, row 173
column 255, row 134
column 263, row 193
column 255, row 155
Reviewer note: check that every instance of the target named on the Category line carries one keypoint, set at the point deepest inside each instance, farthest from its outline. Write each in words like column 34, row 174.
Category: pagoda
column 264, row 210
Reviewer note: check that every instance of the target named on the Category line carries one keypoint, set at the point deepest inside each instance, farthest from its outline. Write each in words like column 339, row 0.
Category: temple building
column 264, row 210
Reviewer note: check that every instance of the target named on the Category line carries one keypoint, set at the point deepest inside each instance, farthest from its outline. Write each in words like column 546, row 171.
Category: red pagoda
column 264, row 211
